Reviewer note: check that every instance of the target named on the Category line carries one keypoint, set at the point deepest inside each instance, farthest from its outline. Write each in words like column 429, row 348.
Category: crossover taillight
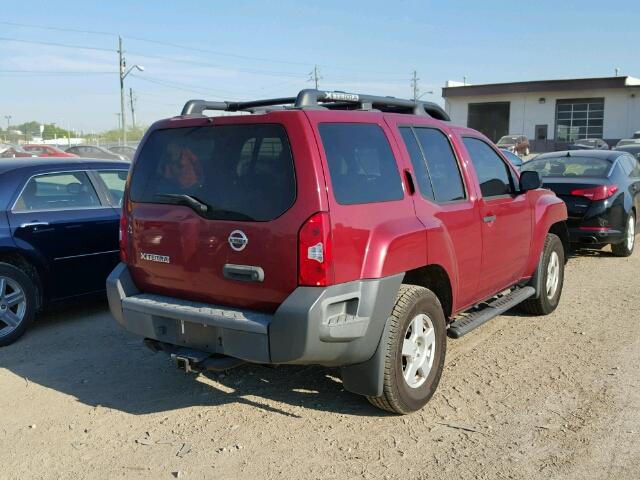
column 601, row 192
column 315, row 260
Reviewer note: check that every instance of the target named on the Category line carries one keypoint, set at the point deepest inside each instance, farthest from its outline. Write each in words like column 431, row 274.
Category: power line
column 195, row 48
column 60, row 72
column 57, row 29
column 54, row 44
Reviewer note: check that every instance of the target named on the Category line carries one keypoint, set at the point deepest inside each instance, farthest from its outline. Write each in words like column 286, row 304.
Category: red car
column 331, row 228
column 7, row 150
column 47, row 151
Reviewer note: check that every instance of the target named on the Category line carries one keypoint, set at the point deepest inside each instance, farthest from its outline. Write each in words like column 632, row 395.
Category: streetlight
column 430, row 92
column 8, row 118
column 123, row 75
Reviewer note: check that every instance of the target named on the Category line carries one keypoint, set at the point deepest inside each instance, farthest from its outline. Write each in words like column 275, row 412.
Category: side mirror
column 529, row 180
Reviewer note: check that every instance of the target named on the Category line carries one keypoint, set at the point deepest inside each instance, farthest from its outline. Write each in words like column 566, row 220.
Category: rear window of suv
column 239, row 172
column 361, row 163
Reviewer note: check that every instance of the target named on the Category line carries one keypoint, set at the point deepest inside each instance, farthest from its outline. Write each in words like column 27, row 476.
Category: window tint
column 361, row 164
column 441, row 164
column 493, row 174
column 56, row 191
column 114, row 180
column 241, row 172
column 417, row 160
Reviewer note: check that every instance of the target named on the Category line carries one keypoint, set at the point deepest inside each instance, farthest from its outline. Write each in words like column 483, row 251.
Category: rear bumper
column 335, row 326
column 595, row 237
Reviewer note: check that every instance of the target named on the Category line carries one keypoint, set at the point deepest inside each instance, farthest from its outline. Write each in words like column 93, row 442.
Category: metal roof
column 598, row 83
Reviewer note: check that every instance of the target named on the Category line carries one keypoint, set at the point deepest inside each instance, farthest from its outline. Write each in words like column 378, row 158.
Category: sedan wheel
column 625, row 248
column 17, row 303
column 13, row 305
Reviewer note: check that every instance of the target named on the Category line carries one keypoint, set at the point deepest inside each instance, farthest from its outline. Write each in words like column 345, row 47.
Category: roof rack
column 311, row 99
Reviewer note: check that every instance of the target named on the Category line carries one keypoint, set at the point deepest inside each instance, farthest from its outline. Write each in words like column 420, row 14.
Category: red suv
column 330, row 228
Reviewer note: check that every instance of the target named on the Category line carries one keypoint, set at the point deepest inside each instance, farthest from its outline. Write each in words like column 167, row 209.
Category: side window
column 114, row 180
column 493, row 174
column 636, row 168
column 57, row 191
column 441, row 164
column 417, row 160
column 361, row 163
column 626, row 165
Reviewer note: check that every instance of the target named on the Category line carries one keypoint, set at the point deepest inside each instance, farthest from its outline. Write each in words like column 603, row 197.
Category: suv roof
column 311, row 99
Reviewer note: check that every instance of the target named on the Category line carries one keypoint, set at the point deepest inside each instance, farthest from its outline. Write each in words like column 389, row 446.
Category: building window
column 579, row 118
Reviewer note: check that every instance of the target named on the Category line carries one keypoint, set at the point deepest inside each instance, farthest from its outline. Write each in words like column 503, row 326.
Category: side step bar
column 492, row 309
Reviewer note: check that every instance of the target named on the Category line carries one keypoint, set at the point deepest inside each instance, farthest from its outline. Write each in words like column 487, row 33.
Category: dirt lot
column 522, row 397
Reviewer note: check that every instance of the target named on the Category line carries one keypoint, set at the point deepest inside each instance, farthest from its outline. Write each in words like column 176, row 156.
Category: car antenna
column 568, row 153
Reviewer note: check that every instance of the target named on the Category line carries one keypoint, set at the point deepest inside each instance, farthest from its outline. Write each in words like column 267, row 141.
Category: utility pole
column 132, row 101
column 314, row 76
column 119, row 121
column 414, row 86
column 8, row 119
column 122, row 66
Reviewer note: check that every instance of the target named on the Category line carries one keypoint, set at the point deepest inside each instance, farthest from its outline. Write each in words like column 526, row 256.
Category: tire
column 13, row 281
column 549, row 297
column 625, row 248
column 415, row 307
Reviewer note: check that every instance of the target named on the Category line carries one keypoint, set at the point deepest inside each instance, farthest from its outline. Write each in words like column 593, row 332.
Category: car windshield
column 569, row 167
column 507, row 141
column 628, row 141
column 586, row 141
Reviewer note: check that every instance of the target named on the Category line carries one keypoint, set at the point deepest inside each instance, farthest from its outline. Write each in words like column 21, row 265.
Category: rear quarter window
column 361, row 164
column 241, row 172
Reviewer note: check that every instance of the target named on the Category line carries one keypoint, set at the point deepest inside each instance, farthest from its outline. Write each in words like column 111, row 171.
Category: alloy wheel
column 418, row 350
column 13, row 305
column 553, row 275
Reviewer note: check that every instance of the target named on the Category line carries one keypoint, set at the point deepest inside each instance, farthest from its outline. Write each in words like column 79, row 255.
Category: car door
column 444, row 206
column 506, row 219
column 62, row 218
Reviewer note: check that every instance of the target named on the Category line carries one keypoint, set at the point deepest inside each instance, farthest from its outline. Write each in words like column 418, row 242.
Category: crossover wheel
column 17, row 303
column 552, row 272
column 625, row 248
column 415, row 351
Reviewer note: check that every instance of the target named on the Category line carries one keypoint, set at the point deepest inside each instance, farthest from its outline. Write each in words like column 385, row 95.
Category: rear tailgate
column 216, row 209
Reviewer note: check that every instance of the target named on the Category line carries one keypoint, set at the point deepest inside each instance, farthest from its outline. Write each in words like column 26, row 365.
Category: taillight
column 123, row 238
column 601, row 192
column 123, row 231
column 315, row 261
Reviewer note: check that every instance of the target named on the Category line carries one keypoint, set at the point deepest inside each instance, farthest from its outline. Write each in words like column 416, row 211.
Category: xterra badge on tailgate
column 152, row 257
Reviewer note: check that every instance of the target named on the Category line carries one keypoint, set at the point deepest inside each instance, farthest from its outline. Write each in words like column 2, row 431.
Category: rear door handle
column 34, row 224
column 489, row 219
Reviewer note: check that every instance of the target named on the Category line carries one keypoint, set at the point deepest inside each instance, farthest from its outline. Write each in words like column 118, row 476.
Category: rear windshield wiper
column 210, row 210
column 187, row 200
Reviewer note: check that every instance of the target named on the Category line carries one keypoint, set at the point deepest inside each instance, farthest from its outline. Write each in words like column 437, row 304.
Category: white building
column 551, row 113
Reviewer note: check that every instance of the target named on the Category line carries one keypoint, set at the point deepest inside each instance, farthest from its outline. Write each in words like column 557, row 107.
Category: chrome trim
column 34, row 224
column 85, row 171
column 87, row 255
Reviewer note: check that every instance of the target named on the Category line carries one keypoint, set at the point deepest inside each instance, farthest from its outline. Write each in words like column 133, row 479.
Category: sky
column 242, row 50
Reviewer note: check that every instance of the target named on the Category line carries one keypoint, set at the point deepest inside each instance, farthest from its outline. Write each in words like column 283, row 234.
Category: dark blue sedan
column 59, row 234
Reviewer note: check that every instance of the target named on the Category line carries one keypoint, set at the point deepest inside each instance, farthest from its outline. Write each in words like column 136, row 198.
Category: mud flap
column 367, row 378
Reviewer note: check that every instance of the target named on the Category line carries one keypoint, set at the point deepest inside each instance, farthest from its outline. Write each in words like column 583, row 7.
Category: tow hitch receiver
column 191, row 360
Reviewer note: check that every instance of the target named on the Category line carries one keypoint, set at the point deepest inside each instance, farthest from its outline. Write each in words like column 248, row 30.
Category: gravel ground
column 521, row 397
